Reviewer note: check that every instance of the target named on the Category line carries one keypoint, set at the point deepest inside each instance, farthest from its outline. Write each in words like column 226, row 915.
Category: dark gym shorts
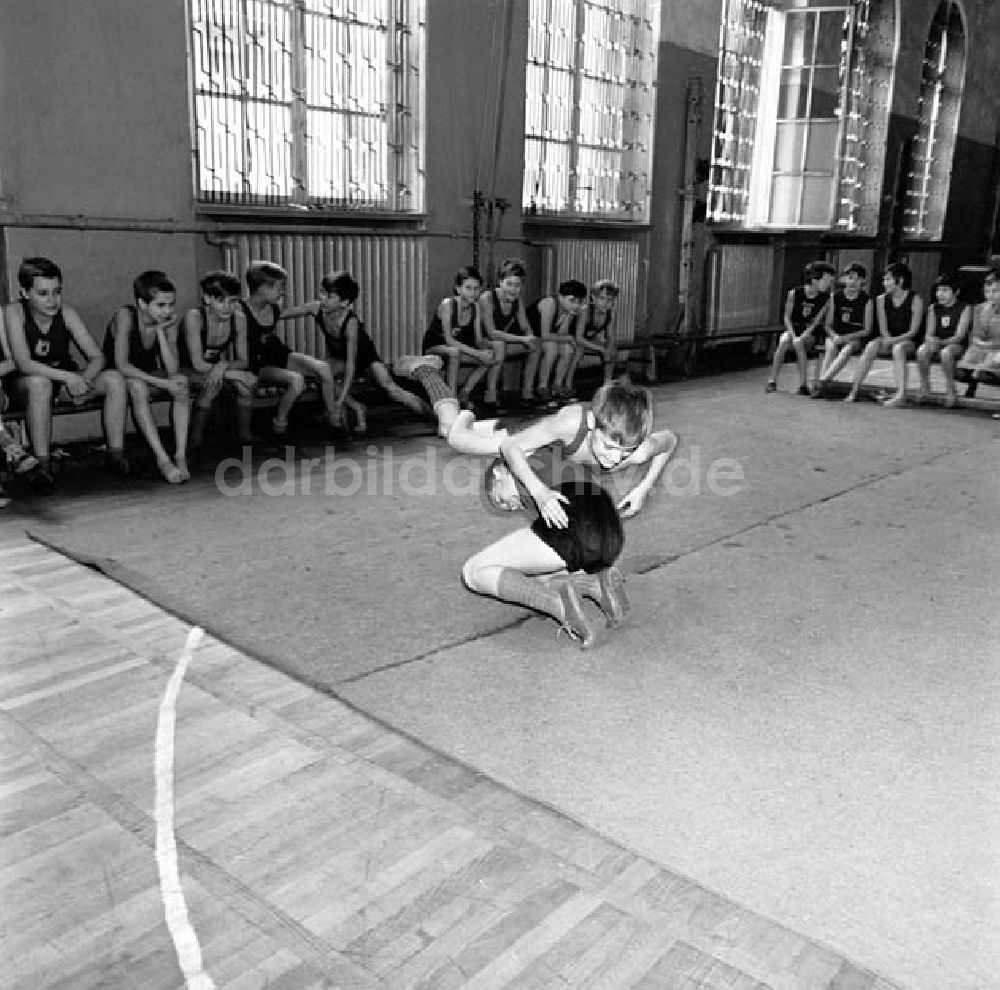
column 593, row 540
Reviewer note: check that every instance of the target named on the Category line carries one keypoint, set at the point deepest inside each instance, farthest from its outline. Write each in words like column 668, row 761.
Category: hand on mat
column 632, row 503
column 550, row 508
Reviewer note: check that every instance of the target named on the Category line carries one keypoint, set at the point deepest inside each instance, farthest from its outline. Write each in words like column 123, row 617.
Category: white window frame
column 589, row 107
column 314, row 104
column 750, row 52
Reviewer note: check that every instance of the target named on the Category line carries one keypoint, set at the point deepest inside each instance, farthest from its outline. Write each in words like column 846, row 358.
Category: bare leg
column 381, row 374
column 786, row 340
column 864, row 366
column 924, row 370
column 948, row 358
column 294, row 385
column 139, row 395
column 496, row 370
column 900, row 356
column 511, row 569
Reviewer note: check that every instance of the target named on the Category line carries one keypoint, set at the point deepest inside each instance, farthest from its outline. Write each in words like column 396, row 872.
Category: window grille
column 934, row 145
column 741, row 55
column 815, row 159
column 590, row 94
column 308, row 103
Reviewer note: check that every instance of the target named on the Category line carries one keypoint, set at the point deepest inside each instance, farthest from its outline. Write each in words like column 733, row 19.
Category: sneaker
column 19, row 460
column 574, row 622
column 614, row 601
column 770, row 387
column 409, row 363
column 818, row 392
column 803, row 390
column 41, row 481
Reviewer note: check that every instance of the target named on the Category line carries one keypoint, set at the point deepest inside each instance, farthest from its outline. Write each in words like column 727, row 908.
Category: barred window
column 801, row 115
column 591, row 77
column 308, row 103
column 934, row 145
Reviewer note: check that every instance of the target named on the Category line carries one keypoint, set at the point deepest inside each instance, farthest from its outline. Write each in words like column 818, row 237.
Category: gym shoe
column 408, row 364
column 614, row 601
column 19, row 460
column 770, row 387
column 574, row 622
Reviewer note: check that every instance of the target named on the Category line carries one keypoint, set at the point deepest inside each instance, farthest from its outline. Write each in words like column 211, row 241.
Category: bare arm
column 7, row 363
column 560, row 427
column 192, row 337
column 789, row 304
column 883, row 328
column 166, row 338
column 655, row 450
column 444, row 315
column 303, row 309
column 241, row 346
column 916, row 319
column 351, row 332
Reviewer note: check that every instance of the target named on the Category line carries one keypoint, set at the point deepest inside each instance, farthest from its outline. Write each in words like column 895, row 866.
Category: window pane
column 788, row 142
column 799, row 36
column 793, row 93
column 821, row 149
column 817, row 200
column 830, row 37
column 785, row 192
column 826, row 93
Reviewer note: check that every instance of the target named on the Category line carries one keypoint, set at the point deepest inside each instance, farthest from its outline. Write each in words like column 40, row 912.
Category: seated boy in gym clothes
column 42, row 333
column 215, row 354
column 141, row 342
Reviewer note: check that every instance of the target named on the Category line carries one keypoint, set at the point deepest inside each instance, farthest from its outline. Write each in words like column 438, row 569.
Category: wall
column 96, row 94
column 95, row 168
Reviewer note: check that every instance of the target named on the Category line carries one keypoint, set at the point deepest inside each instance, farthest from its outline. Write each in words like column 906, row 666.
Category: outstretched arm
column 656, row 449
column 303, row 309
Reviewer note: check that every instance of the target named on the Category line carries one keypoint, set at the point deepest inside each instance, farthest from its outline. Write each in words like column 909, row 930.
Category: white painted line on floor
column 174, row 907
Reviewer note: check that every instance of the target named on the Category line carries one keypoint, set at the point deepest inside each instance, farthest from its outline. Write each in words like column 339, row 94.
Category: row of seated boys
column 231, row 343
column 895, row 324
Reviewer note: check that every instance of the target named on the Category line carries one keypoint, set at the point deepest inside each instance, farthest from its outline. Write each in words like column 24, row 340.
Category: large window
column 934, row 145
column 591, row 78
column 308, row 103
column 801, row 113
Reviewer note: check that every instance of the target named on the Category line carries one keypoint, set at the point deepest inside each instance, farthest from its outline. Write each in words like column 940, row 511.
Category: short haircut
column 817, row 269
column 856, row 268
column 993, row 275
column 146, row 284
column 608, row 285
column 947, row 281
column 37, row 267
column 343, row 284
column 901, row 273
column 491, row 482
column 623, row 411
column 220, row 285
column 511, row 266
column 467, row 272
column 574, row 288
column 260, row 273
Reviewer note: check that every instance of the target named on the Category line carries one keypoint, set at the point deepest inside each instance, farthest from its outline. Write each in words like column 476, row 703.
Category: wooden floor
column 315, row 848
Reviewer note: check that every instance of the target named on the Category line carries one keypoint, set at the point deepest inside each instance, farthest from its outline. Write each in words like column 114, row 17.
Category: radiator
column 589, row 261
column 739, row 288
column 390, row 269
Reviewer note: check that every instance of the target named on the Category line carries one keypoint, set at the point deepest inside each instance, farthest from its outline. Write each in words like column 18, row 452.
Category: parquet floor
column 314, row 847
